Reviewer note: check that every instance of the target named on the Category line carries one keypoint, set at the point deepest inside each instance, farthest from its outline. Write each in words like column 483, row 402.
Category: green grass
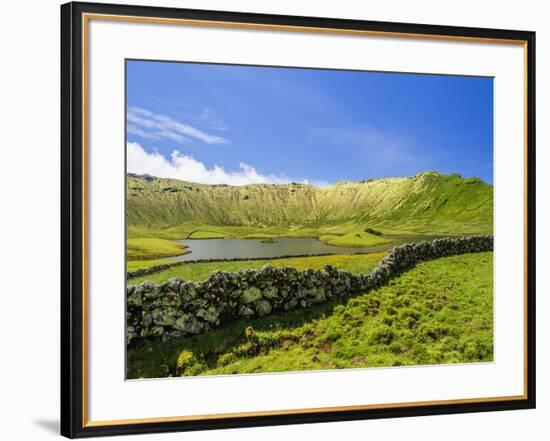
column 195, row 230
column 149, row 248
column 199, row 271
column 440, row 311
column 427, row 203
column 132, row 265
column 205, row 234
column 353, row 239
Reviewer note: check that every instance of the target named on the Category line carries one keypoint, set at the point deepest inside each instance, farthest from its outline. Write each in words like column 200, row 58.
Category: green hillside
column 427, row 203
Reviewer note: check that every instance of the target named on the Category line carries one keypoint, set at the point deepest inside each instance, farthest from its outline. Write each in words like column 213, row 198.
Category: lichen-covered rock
column 251, row 295
column 245, row 311
column 262, row 307
column 270, row 292
column 147, row 319
column 165, row 316
column 133, row 297
column 187, row 292
column 209, row 314
column 169, row 335
column 156, row 331
column 318, row 295
column 150, row 290
column 170, row 298
column 188, row 324
column 131, row 333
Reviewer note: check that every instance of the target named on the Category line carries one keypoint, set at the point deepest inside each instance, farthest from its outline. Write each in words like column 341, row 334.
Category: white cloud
column 185, row 167
column 159, row 134
column 144, row 123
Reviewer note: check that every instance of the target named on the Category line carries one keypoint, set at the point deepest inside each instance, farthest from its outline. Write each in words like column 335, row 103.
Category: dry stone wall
column 179, row 308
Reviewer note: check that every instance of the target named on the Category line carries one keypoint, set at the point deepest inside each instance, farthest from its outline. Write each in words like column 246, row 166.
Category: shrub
column 383, row 335
column 432, row 332
column 185, row 360
column 226, row 359
column 477, row 350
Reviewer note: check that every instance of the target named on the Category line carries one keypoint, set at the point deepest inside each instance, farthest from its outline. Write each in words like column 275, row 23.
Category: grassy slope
column 353, row 239
column 441, row 311
column 149, row 248
column 427, row 203
column 132, row 265
column 198, row 271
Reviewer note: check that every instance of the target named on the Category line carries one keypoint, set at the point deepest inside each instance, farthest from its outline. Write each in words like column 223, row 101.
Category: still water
column 255, row 248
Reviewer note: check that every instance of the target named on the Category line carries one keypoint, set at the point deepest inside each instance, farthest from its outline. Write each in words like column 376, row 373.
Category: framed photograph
column 276, row 220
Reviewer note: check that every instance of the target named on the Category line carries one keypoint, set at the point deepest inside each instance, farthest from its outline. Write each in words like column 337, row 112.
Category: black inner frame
column 72, row 205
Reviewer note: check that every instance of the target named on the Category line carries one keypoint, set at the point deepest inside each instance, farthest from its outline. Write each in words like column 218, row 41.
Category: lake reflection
column 255, row 248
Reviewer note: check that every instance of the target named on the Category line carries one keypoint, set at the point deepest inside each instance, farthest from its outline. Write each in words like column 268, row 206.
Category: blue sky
column 243, row 124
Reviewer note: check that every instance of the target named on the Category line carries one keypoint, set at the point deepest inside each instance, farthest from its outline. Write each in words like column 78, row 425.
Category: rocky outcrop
column 179, row 308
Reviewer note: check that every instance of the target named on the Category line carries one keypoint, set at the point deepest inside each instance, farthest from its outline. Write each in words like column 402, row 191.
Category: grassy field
column 132, row 265
column 353, row 239
column 440, row 311
column 197, row 230
column 149, row 248
column 206, row 234
column 198, row 271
